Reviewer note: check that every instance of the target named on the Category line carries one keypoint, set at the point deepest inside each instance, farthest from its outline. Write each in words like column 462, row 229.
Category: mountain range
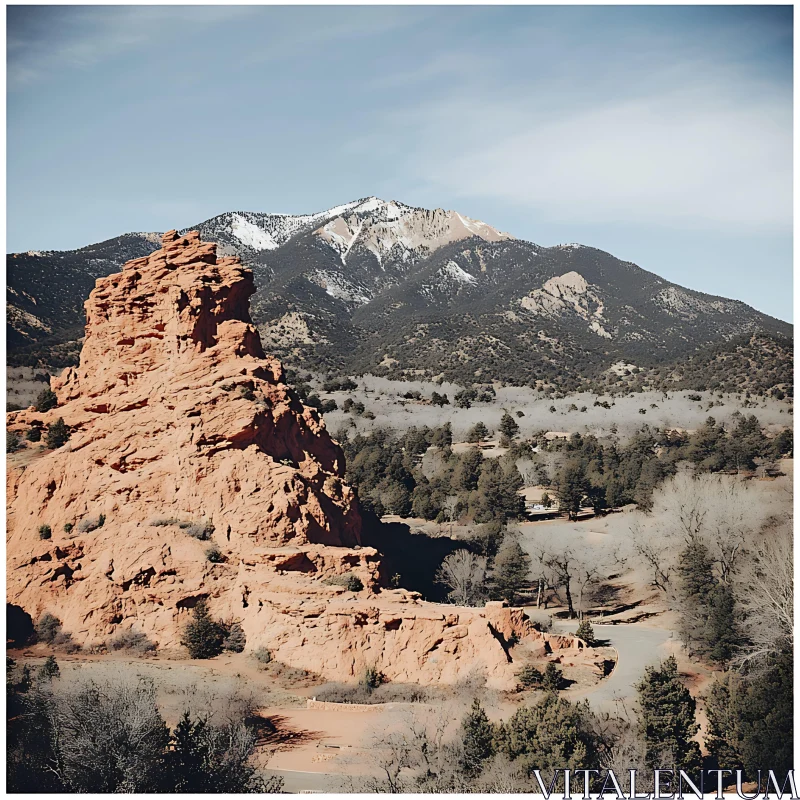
column 409, row 292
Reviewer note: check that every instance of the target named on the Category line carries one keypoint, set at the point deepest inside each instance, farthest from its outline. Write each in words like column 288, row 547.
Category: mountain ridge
column 374, row 285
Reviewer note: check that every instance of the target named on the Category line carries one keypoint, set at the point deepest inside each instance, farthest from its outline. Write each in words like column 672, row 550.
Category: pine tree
column 477, row 737
column 57, row 434
column 667, row 722
column 235, row 640
column 751, row 720
column 45, row 400
column 509, row 426
column 553, row 734
column 552, row 678
column 571, row 488
column 721, row 634
column 695, row 588
column 477, row 433
column 585, row 632
column 511, row 573
column 203, row 637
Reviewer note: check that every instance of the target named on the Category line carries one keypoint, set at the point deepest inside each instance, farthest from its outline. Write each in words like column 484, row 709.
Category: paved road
column 637, row 647
column 295, row 782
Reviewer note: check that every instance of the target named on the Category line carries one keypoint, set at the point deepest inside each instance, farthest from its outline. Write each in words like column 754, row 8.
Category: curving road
column 637, row 647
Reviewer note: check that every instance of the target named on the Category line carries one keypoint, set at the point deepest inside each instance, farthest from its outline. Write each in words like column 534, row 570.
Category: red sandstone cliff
column 177, row 414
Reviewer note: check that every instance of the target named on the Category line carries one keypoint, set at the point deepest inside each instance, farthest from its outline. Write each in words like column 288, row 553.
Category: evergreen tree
column 511, row 572
column 45, row 400
column 571, row 488
column 477, row 737
column 695, row 588
column 443, row 436
column 585, row 632
column 477, row 433
column 203, row 637
column 57, row 434
column 553, row 734
column 751, row 720
column 721, row 633
column 509, row 426
column 235, row 640
column 468, row 470
column 396, row 499
column 552, row 678
column 666, row 721
column 497, row 492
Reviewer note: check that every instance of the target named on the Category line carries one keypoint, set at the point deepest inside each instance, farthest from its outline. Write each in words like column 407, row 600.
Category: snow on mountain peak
column 384, row 227
column 251, row 235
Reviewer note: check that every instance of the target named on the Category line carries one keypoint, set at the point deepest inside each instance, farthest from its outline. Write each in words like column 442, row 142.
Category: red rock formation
column 178, row 417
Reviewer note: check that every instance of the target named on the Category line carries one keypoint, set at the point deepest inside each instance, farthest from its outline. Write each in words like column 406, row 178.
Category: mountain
column 396, row 290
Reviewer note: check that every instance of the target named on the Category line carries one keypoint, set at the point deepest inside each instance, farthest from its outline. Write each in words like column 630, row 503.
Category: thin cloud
column 45, row 40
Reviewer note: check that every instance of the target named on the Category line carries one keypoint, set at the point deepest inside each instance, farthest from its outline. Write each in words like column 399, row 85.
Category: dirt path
column 638, row 646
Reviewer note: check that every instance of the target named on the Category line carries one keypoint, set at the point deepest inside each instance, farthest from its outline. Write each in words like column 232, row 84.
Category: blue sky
column 660, row 134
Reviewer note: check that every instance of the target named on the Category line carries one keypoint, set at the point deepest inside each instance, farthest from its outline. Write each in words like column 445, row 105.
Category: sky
column 662, row 135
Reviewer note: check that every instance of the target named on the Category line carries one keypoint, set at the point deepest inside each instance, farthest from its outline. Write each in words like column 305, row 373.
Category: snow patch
column 338, row 287
column 251, row 235
column 452, row 270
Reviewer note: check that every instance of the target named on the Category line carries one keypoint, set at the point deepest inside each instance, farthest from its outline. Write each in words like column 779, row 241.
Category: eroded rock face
column 178, row 418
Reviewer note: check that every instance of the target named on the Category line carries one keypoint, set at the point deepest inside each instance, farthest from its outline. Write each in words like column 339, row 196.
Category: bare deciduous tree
column 766, row 595
column 577, row 567
column 718, row 510
column 464, row 574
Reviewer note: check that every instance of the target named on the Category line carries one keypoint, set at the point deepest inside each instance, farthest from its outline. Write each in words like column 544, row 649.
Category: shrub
column 200, row 530
column 34, row 434
column 91, row 523
column 132, row 640
column 63, row 640
column 45, row 400
column 386, row 693
column 553, row 678
column 349, row 581
column 203, row 636
column 262, row 655
column 45, row 532
column 49, row 669
column 13, row 442
column 68, row 526
column 57, row 434
column 371, row 678
column 530, row 677
column 235, row 640
column 585, row 632
column 162, row 522
column 247, row 393
column 214, row 555
column 47, row 628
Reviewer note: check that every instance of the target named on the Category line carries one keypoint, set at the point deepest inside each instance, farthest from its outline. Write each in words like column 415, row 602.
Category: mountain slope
column 393, row 289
